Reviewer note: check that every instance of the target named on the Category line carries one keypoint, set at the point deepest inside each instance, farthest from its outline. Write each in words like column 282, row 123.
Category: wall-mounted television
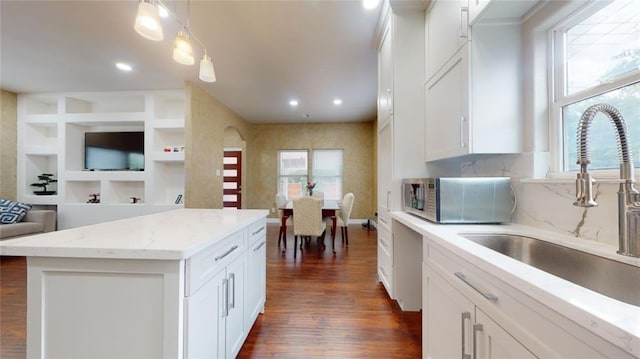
column 114, row 151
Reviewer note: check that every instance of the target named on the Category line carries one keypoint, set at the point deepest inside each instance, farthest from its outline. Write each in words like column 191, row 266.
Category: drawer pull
column 260, row 246
column 258, row 231
column 487, row 295
column 226, row 253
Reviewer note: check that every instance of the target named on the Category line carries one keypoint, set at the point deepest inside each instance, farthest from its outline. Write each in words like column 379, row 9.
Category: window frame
column 341, row 177
column 279, row 175
column 558, row 98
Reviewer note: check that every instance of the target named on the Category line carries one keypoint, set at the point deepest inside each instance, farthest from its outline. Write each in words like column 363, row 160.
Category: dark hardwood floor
column 319, row 305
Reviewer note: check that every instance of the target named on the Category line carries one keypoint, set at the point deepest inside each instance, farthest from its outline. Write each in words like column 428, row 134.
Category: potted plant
column 44, row 180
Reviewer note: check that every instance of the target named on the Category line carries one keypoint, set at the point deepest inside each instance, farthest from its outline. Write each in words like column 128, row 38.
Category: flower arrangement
column 310, row 187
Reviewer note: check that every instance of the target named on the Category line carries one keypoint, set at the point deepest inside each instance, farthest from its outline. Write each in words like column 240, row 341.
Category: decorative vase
column 310, row 193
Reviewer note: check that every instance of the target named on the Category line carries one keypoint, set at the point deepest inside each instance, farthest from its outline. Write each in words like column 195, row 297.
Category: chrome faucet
column 628, row 196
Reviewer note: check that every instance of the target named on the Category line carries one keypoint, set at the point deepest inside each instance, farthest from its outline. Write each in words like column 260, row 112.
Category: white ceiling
column 264, row 52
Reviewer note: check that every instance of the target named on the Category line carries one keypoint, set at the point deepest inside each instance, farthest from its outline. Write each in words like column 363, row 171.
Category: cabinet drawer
column 257, row 231
column 385, row 271
column 205, row 264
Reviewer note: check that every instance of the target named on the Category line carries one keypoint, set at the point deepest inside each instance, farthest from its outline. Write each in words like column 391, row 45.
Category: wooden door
column 232, row 186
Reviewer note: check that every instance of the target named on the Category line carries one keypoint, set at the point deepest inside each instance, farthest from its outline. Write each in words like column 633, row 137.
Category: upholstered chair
column 342, row 220
column 307, row 221
column 280, row 202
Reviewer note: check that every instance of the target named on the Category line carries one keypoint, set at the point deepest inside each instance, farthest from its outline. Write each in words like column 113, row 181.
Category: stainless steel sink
column 613, row 279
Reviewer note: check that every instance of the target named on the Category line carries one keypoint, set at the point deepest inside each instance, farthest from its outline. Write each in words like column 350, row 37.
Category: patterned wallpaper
column 356, row 139
column 8, row 144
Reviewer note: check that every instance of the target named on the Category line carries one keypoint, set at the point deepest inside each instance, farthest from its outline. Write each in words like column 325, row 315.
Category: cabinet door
column 447, row 109
column 447, row 317
column 493, row 342
column 204, row 319
column 385, row 77
column 255, row 288
column 385, row 168
column 235, row 327
column 447, row 31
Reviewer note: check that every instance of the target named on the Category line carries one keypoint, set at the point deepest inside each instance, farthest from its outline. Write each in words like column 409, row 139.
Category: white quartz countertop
column 173, row 235
column 614, row 321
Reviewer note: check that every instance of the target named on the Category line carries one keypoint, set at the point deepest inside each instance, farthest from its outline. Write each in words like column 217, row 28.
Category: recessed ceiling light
column 162, row 11
column 293, row 103
column 370, row 4
column 124, row 67
column 337, row 102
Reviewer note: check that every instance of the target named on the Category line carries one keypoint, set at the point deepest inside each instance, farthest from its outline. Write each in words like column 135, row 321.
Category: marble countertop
column 614, row 321
column 172, row 235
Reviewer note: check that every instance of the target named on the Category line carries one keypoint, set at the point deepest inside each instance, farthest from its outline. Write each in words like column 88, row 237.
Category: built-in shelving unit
column 51, row 130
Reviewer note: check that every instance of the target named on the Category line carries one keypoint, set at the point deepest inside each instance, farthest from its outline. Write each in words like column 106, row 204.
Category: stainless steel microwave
column 459, row 199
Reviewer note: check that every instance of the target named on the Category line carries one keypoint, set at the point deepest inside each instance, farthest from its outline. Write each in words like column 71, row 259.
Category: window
column 327, row 172
column 597, row 59
column 292, row 172
column 326, row 169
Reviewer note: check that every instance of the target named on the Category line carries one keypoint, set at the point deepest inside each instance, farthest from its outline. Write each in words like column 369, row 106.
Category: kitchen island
column 187, row 283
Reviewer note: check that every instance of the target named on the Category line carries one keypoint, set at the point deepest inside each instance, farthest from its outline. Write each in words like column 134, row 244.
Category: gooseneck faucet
column 628, row 196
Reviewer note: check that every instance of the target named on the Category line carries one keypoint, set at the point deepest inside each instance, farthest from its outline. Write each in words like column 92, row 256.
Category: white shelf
column 167, row 156
column 51, row 132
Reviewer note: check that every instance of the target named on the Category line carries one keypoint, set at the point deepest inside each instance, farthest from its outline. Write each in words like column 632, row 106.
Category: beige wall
column 356, row 139
column 205, row 122
column 8, row 144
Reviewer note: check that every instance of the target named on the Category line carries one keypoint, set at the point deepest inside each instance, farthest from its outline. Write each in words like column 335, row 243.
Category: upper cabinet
column 446, row 32
column 385, row 77
column 473, row 89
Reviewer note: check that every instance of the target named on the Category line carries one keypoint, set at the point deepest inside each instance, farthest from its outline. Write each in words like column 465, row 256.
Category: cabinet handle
column 388, row 195
column 487, row 295
column 383, row 220
column 226, row 253
column 258, row 231
column 462, row 125
column 464, row 11
column 476, row 328
column 225, row 297
column 232, row 302
column 260, row 246
column 465, row 315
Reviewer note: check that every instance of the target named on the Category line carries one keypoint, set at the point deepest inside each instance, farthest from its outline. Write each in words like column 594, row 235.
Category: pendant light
column 182, row 49
column 207, row 74
column 148, row 22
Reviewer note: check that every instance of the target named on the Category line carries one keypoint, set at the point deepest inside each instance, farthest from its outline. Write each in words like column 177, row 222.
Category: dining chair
column 280, row 202
column 307, row 221
column 342, row 220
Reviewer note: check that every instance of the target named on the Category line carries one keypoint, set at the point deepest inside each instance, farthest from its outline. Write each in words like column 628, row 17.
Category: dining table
column 329, row 209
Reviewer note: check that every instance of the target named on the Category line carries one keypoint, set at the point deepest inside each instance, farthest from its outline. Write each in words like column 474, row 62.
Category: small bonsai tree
column 44, row 180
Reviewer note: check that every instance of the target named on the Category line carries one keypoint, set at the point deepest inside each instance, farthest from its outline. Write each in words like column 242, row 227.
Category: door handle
column 232, row 279
column 464, row 31
column 476, row 328
column 463, row 317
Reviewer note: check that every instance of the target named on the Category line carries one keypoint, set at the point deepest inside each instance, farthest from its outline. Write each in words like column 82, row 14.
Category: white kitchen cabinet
column 473, row 103
column 455, row 328
column 400, row 119
column 235, row 328
column 385, row 77
column 255, row 289
column 204, row 313
column 446, row 29
column 467, row 311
